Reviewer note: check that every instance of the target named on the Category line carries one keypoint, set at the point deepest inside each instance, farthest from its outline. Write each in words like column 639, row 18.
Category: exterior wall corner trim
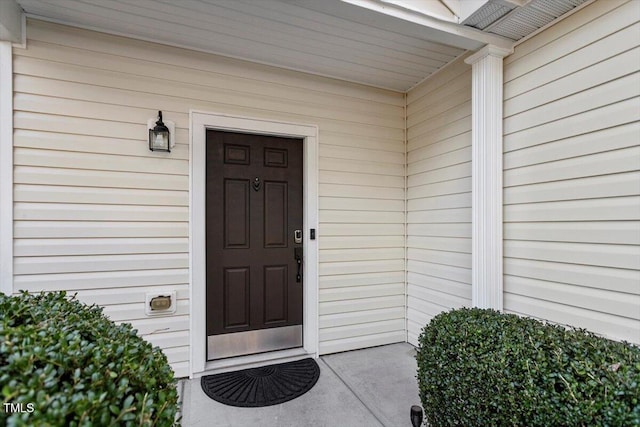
column 6, row 167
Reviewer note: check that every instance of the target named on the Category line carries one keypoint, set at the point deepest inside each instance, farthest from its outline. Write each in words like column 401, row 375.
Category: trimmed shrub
column 482, row 368
column 63, row 363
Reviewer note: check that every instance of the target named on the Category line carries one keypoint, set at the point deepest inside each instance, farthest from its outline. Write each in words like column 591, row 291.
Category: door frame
column 199, row 123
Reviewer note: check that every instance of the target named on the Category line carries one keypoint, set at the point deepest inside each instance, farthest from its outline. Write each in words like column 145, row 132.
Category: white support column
column 486, row 178
column 6, row 168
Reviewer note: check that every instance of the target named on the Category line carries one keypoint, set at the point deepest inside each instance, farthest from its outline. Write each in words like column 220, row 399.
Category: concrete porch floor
column 370, row 387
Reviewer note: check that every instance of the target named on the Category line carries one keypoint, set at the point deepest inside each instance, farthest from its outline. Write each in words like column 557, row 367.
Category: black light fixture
column 159, row 136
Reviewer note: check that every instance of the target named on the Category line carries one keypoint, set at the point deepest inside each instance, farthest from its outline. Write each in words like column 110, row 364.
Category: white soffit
column 435, row 8
column 323, row 37
column 391, row 44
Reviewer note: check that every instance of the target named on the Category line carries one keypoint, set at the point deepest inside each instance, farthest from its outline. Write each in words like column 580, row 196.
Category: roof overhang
column 390, row 44
column 426, row 25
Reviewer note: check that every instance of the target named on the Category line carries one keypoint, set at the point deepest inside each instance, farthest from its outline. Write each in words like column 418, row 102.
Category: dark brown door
column 253, row 209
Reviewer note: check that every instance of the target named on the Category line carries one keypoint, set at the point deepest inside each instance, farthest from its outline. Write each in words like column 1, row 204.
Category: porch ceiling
column 374, row 42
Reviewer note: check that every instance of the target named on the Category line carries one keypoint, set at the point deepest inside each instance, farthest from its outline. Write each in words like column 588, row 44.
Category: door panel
column 275, row 214
column 253, row 206
column 275, row 294
column 236, row 154
column 236, row 297
column 275, row 158
column 236, row 213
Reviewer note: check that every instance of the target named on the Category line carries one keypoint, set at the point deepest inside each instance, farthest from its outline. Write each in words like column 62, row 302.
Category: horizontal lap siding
column 438, row 196
column 99, row 214
column 572, row 172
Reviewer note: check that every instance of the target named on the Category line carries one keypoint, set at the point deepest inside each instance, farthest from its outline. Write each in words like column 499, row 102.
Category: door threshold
column 253, row 361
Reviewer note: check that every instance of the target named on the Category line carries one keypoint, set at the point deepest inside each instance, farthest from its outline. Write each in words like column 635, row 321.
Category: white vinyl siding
column 438, row 196
column 572, row 172
column 97, row 213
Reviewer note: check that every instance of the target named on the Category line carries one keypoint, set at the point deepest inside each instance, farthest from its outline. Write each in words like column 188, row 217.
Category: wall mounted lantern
column 161, row 135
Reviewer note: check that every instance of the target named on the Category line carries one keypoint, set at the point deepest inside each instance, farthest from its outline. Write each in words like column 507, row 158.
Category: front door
column 253, row 243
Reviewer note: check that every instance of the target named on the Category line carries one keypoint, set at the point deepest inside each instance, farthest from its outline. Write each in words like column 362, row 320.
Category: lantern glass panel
column 158, row 140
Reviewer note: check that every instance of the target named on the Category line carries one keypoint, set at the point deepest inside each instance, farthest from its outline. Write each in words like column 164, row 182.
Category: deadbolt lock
column 297, row 236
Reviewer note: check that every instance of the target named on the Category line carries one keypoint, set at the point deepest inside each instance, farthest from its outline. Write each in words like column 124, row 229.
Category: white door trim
column 200, row 121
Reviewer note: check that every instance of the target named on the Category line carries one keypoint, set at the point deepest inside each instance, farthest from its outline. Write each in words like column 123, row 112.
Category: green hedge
column 482, row 368
column 68, row 365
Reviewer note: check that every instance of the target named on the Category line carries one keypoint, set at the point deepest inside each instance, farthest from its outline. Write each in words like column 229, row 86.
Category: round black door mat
column 264, row 386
